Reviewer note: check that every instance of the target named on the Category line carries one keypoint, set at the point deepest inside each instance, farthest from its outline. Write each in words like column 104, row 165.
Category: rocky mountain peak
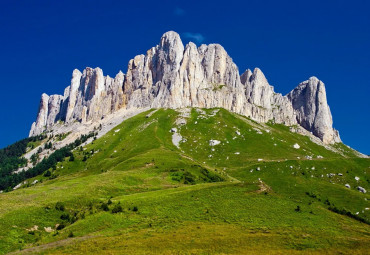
column 312, row 110
column 173, row 76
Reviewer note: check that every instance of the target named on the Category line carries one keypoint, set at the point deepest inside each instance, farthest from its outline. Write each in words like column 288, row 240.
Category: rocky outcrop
column 175, row 76
column 312, row 110
column 40, row 124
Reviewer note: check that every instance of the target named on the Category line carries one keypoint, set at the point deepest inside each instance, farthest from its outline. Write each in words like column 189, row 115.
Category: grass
column 182, row 201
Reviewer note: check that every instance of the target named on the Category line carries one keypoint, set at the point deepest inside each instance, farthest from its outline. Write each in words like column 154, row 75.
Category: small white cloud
column 198, row 38
column 179, row 12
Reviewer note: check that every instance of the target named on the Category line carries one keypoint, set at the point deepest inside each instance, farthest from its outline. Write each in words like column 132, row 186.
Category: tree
column 72, row 158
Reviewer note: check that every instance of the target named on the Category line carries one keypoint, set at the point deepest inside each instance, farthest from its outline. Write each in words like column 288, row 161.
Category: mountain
column 172, row 75
column 182, row 155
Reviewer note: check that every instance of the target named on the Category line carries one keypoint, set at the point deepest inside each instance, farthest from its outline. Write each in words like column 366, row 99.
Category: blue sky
column 41, row 42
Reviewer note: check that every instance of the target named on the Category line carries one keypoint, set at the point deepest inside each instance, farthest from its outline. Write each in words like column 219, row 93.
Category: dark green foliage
column 177, row 176
column 117, row 208
column 59, row 206
column 47, row 173
column 189, row 178
column 182, row 175
column 34, row 158
column 298, row 209
column 104, row 207
column 72, row 158
column 348, row 213
column 10, row 180
column 71, row 234
column 135, row 209
column 65, row 216
column 311, row 194
column 48, row 145
column 211, row 177
column 10, row 160
column 60, row 226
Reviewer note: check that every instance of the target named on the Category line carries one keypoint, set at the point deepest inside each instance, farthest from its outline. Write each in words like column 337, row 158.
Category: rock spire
column 175, row 76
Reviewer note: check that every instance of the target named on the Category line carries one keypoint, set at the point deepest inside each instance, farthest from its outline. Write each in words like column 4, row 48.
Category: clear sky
column 41, row 42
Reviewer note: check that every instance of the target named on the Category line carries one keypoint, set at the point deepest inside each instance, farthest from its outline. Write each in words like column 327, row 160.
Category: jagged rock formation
column 312, row 110
column 90, row 96
column 171, row 75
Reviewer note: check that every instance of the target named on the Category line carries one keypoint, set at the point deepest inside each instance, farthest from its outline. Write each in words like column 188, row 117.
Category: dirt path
column 56, row 244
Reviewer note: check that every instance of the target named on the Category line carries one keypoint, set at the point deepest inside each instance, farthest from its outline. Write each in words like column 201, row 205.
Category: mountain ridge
column 172, row 75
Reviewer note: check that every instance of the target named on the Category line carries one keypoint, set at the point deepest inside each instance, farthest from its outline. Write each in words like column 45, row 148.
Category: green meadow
column 133, row 191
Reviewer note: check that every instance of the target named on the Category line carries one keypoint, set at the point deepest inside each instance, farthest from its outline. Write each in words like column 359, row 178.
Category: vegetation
column 8, row 180
column 11, row 158
column 132, row 191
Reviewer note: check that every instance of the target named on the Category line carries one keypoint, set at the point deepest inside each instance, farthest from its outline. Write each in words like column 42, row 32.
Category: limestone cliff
column 312, row 110
column 175, row 76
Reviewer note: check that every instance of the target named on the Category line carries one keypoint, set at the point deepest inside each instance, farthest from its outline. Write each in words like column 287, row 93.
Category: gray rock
column 361, row 189
column 312, row 110
column 172, row 75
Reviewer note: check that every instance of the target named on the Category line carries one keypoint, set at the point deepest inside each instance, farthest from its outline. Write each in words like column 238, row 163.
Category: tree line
column 8, row 179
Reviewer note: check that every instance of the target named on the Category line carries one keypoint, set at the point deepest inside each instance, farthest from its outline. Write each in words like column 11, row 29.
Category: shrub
column 135, row 209
column 348, row 213
column 65, row 216
column 72, row 158
column 177, row 176
column 61, row 226
column 189, row 178
column 47, row 173
column 104, row 207
column 71, row 234
column 298, row 209
column 117, row 209
column 59, row 206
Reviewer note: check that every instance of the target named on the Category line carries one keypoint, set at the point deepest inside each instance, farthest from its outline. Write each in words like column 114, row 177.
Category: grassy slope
column 135, row 165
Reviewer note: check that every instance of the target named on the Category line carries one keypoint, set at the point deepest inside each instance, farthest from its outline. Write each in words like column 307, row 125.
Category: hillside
column 191, row 181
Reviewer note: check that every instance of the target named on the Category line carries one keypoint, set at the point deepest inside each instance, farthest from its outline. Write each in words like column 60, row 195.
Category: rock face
column 175, row 76
column 312, row 110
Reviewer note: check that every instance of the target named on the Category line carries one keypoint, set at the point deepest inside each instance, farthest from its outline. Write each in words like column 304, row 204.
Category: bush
column 72, row 158
column 135, row 209
column 177, row 176
column 59, row 206
column 71, row 234
column 348, row 213
column 104, row 207
column 189, row 178
column 61, row 226
column 65, row 216
column 210, row 176
column 117, row 209
column 298, row 209
column 47, row 173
